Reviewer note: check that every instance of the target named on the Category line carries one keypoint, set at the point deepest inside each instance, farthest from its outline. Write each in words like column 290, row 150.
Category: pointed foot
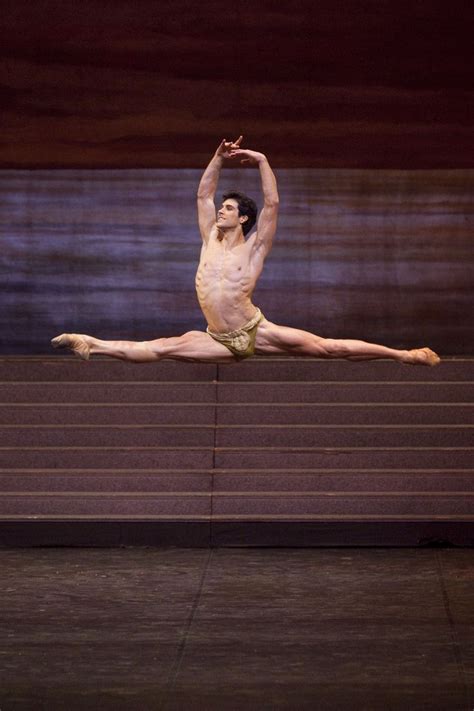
column 423, row 356
column 75, row 342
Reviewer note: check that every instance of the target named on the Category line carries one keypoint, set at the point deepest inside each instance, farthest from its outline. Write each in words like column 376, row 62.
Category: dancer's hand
column 226, row 147
column 247, row 156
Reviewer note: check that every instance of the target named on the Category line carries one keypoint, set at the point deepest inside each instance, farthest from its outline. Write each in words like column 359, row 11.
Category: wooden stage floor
column 222, row 629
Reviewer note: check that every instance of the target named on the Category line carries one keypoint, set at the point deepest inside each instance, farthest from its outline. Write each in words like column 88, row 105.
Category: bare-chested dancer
column 229, row 267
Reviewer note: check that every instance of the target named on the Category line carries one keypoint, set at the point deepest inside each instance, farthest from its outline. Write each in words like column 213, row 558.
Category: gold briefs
column 242, row 341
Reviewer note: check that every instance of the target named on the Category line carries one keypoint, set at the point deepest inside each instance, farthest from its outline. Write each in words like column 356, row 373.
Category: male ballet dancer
column 229, row 267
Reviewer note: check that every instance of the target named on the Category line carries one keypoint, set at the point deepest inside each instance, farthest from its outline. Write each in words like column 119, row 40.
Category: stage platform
column 268, row 452
column 173, row 629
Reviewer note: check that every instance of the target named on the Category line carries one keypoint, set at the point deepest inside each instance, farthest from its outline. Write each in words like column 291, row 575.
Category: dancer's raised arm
column 208, row 185
column 267, row 222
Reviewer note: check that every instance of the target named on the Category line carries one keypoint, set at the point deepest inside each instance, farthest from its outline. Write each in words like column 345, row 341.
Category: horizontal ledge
column 241, row 494
column 272, row 470
column 235, row 404
column 140, row 383
column 242, row 449
column 158, row 426
column 328, row 470
column 108, row 494
column 337, row 449
column 107, row 448
column 302, row 383
column 264, row 517
column 342, row 517
column 290, row 426
column 107, row 517
column 110, row 472
column 342, row 493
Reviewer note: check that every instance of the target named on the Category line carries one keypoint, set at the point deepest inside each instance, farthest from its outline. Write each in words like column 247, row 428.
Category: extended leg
column 192, row 346
column 282, row 339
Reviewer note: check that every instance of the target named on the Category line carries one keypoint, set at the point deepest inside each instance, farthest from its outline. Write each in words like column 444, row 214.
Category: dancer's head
column 247, row 209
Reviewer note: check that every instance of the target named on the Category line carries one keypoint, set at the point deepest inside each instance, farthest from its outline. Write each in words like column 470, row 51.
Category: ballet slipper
column 423, row 356
column 75, row 342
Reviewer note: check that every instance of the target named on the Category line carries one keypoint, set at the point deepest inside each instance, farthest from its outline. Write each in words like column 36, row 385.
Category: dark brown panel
column 197, row 534
column 327, row 84
column 337, row 533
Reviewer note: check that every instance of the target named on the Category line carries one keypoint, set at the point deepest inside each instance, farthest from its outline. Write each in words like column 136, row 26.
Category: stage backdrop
column 156, row 84
column 383, row 255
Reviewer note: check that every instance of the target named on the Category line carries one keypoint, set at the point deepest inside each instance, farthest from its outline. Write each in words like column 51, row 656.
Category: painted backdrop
column 155, row 83
column 379, row 255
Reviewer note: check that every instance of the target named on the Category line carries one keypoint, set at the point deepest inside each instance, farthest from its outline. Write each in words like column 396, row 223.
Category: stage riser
column 270, row 459
column 286, row 441
column 352, row 459
column 238, row 414
column 254, row 481
column 354, row 481
column 345, row 414
column 331, row 392
column 244, row 507
column 99, row 436
column 343, row 437
column 161, row 414
column 98, row 480
column 287, row 369
column 241, row 436
column 195, row 506
column 275, row 392
column 103, row 458
column 66, row 369
column 118, row 392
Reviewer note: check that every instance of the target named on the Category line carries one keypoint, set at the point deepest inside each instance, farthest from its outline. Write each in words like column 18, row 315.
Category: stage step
column 270, row 440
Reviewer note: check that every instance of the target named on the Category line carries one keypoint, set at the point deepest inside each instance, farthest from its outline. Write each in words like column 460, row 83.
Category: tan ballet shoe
column 75, row 342
column 423, row 356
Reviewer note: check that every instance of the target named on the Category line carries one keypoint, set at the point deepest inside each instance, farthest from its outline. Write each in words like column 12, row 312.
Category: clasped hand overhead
column 232, row 150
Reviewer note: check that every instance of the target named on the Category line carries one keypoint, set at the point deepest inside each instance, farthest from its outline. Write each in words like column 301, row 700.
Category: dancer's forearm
column 269, row 183
column 208, row 183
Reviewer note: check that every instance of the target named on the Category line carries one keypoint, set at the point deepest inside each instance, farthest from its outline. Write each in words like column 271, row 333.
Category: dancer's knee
column 150, row 350
column 141, row 352
column 169, row 347
column 335, row 348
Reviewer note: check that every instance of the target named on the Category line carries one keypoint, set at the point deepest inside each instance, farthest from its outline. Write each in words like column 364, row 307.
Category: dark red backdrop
column 366, row 84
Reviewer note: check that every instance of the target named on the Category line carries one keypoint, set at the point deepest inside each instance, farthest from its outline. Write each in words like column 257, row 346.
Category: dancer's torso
column 225, row 281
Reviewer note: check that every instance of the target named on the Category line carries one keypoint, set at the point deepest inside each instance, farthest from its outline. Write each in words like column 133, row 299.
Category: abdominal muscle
column 224, row 288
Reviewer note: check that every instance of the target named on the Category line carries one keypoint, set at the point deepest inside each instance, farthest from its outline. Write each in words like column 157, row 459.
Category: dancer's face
column 228, row 215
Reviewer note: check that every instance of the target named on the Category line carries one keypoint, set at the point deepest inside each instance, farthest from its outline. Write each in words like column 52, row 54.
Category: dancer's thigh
column 194, row 345
column 272, row 338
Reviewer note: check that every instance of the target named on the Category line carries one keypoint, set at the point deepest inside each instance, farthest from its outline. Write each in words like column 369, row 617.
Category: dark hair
column 247, row 207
